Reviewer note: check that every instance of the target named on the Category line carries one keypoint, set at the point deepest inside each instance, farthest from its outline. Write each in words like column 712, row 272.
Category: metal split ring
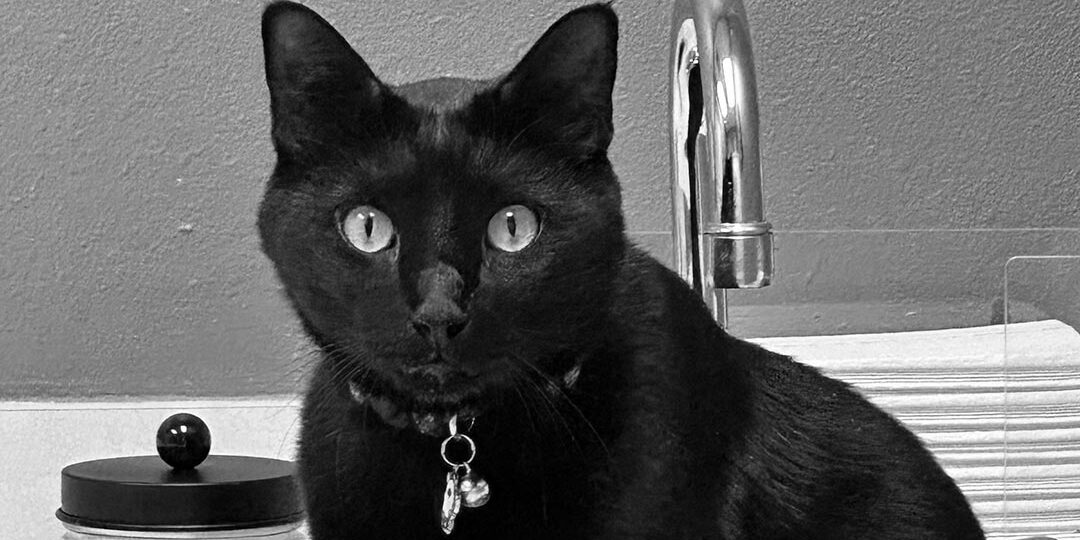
column 458, row 437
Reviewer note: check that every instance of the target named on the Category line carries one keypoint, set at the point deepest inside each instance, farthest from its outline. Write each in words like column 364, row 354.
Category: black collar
column 436, row 424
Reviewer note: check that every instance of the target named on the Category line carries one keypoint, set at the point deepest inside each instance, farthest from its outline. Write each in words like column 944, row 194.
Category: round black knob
column 183, row 441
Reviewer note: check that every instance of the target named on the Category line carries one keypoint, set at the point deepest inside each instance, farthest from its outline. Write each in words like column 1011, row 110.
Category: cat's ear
column 559, row 96
column 320, row 89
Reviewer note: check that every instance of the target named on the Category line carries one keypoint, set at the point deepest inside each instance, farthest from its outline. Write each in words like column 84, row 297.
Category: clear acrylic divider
column 916, row 321
column 1040, row 484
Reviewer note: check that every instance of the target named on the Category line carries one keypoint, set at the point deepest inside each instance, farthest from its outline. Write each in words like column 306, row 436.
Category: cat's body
column 706, row 436
column 607, row 402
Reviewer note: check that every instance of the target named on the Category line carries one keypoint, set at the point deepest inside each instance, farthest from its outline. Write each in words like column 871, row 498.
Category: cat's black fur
column 673, row 430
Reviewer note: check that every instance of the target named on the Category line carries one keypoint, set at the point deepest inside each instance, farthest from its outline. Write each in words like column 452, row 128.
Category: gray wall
column 908, row 149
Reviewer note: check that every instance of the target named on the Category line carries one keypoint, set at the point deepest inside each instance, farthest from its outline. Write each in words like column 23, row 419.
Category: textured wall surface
column 134, row 146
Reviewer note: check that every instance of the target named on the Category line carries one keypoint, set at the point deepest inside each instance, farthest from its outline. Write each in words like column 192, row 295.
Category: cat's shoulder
column 648, row 288
column 652, row 299
column 643, row 281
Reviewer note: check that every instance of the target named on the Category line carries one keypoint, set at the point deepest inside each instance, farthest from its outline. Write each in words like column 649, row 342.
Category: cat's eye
column 512, row 228
column 367, row 229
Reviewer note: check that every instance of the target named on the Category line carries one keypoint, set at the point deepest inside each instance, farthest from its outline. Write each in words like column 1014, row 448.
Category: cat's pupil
column 511, row 224
column 369, row 224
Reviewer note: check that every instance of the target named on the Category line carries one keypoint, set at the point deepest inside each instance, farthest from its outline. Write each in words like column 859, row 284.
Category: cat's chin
column 425, row 408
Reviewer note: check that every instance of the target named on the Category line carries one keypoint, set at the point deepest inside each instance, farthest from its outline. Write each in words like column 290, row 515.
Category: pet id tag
column 451, row 503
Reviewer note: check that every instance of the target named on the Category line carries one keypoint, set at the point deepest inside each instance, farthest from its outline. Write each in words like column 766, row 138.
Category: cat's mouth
column 425, row 398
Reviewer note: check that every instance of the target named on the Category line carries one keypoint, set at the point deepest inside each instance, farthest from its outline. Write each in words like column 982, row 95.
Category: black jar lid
column 142, row 493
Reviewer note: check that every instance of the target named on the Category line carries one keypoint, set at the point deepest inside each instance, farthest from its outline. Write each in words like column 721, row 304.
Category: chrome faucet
column 722, row 240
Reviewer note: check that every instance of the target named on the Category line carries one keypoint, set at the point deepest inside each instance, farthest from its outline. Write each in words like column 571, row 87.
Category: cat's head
column 446, row 240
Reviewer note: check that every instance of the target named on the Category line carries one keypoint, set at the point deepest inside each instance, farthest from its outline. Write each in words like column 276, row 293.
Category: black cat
column 456, row 250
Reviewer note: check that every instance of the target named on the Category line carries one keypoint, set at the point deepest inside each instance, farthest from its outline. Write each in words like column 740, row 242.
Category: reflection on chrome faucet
column 722, row 240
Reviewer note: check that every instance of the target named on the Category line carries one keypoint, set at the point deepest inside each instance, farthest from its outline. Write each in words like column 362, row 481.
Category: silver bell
column 474, row 490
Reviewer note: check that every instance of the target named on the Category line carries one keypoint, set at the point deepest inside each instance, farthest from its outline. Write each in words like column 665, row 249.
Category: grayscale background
column 909, row 148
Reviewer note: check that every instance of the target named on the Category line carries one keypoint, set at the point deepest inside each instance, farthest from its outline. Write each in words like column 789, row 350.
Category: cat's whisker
column 545, row 400
column 559, row 393
column 299, row 366
column 547, row 390
column 526, row 406
column 346, row 364
column 553, row 413
column 536, row 401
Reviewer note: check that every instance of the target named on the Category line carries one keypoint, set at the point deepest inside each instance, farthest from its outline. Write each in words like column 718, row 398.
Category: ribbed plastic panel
column 1004, row 423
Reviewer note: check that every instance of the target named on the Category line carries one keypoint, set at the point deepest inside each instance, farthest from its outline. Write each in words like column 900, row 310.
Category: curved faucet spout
column 722, row 240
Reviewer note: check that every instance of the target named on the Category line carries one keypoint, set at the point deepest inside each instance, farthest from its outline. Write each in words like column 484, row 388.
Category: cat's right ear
column 322, row 94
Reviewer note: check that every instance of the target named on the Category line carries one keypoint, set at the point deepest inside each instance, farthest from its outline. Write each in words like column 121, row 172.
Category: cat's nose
column 439, row 317
column 433, row 330
column 439, row 324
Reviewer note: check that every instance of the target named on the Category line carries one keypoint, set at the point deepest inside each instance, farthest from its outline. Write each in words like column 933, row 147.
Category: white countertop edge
column 132, row 403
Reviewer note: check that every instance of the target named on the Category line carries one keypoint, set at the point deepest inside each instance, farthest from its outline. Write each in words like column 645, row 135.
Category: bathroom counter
column 961, row 412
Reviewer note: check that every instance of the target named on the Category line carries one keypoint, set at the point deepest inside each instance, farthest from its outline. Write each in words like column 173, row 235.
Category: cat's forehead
column 441, row 94
column 440, row 154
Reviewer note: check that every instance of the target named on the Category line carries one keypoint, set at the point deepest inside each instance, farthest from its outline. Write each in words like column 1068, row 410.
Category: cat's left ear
column 558, row 97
